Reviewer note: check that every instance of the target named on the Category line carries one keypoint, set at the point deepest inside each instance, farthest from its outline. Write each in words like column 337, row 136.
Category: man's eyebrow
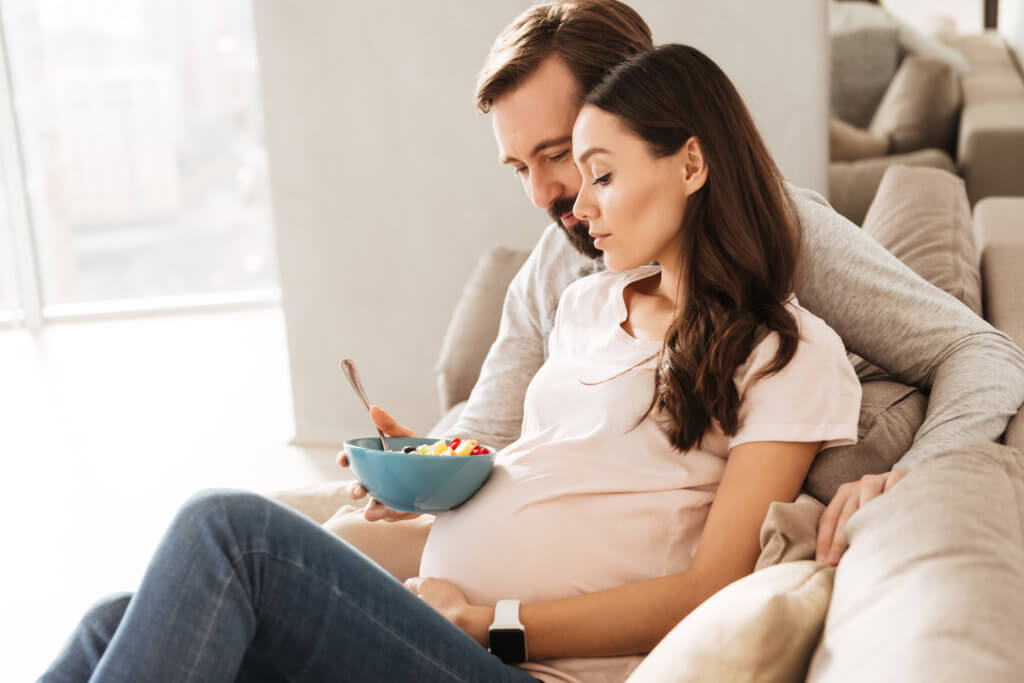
column 591, row 152
column 540, row 146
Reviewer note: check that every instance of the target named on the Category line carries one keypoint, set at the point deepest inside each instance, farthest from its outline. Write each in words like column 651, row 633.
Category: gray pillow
column 890, row 415
column 863, row 63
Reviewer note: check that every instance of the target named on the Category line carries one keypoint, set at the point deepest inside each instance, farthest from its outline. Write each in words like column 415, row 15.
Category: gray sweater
column 884, row 312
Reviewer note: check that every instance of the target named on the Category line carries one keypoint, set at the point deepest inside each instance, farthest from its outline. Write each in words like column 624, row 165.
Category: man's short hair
column 591, row 36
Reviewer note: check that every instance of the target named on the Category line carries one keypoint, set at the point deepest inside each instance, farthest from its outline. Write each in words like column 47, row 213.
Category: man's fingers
column 871, row 487
column 355, row 490
column 839, row 543
column 894, row 478
column 387, row 424
column 827, row 523
column 343, row 459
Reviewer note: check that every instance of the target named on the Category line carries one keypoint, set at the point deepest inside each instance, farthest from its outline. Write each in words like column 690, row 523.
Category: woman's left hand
column 451, row 602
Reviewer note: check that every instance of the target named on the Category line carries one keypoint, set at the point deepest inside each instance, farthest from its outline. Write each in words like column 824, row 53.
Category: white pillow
column 760, row 629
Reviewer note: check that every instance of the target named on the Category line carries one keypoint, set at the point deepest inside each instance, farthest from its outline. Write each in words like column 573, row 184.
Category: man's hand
column 850, row 497
column 376, row 511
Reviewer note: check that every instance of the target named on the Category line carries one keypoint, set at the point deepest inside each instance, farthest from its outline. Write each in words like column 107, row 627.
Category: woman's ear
column 695, row 168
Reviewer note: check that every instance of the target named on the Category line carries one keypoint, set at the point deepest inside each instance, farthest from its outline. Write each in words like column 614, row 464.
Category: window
column 8, row 298
column 141, row 133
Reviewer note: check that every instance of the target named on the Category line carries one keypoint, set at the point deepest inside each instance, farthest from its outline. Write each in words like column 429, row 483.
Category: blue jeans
column 243, row 588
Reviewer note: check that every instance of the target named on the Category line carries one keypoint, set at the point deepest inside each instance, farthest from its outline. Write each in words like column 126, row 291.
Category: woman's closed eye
column 603, row 180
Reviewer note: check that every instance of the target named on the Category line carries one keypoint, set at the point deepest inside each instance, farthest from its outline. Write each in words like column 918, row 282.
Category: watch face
column 509, row 645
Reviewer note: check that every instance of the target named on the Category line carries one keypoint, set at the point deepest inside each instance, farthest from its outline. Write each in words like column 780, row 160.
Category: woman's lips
column 599, row 238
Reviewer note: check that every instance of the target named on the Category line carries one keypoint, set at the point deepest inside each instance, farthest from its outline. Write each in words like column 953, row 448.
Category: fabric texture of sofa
column 950, row 592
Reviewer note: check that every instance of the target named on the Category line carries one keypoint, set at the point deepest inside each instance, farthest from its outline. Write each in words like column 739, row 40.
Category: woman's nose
column 584, row 208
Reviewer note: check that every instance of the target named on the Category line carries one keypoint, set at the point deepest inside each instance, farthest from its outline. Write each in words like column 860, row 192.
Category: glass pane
column 8, row 277
column 142, row 132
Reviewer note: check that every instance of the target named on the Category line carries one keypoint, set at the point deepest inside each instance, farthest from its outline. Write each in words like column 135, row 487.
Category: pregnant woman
column 685, row 390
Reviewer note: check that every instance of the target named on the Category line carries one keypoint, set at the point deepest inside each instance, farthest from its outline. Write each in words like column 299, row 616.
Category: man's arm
column 494, row 412
column 917, row 333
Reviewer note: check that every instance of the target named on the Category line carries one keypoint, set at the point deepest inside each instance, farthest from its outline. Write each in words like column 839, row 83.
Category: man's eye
column 603, row 180
column 559, row 156
column 520, row 170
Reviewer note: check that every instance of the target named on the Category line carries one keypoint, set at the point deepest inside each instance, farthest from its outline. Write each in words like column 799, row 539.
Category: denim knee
column 105, row 615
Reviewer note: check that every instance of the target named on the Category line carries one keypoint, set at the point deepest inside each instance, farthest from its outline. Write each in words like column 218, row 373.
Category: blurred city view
column 142, row 134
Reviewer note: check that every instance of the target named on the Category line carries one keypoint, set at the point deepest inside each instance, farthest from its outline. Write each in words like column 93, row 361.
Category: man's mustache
column 560, row 207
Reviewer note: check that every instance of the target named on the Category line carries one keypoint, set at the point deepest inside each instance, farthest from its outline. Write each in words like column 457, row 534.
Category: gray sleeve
column 494, row 411
column 919, row 334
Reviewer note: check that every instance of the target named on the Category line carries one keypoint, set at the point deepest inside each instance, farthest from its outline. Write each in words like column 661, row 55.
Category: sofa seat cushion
column 949, row 590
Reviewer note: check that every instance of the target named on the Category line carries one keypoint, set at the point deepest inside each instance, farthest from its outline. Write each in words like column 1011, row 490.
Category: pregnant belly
column 510, row 541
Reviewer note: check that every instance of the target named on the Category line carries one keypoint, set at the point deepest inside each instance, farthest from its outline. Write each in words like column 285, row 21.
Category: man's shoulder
column 554, row 262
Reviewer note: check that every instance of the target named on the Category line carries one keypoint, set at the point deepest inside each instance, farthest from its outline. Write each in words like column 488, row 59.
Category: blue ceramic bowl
column 416, row 483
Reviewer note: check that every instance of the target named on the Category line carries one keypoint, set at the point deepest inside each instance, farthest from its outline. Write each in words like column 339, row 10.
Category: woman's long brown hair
column 740, row 235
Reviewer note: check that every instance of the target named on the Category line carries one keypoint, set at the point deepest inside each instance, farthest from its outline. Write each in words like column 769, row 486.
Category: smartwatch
column 507, row 634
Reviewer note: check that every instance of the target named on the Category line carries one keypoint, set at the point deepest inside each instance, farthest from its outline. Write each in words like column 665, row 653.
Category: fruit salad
column 453, row 447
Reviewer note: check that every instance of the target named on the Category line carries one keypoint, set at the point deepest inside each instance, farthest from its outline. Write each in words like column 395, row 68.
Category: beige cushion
column 474, row 324
column 395, row 546
column 319, row 501
column 923, row 217
column 761, row 628
column 947, row 602
column 847, row 142
column 852, row 185
column 890, row 415
column 920, row 106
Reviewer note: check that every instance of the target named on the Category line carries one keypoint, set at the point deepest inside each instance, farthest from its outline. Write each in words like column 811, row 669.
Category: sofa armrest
column 999, row 231
column 990, row 147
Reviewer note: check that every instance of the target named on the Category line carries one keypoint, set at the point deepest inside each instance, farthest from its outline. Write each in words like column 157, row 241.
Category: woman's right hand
column 376, row 511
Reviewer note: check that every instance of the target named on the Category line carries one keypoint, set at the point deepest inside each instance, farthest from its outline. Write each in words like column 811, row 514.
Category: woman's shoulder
column 818, row 343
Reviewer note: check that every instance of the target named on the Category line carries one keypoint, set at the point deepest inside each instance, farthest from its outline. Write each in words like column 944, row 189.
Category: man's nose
column 544, row 190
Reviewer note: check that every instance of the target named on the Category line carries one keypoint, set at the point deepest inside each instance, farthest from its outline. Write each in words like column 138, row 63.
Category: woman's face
column 632, row 201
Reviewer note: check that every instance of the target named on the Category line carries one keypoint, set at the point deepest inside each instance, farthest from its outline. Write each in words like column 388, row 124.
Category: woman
column 685, row 390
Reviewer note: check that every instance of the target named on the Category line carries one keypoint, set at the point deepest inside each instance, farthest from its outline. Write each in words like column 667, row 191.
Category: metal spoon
column 349, row 368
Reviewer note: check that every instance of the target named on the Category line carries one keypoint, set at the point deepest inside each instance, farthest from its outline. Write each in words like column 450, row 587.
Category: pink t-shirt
column 579, row 503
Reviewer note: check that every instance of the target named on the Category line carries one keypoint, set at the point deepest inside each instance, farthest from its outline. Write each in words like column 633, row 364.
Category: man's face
column 533, row 127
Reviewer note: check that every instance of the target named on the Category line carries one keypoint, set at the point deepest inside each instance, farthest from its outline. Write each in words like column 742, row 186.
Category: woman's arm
column 632, row 619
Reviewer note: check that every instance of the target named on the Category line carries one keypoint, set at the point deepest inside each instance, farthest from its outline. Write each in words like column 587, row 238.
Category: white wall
column 385, row 181
column 1011, row 23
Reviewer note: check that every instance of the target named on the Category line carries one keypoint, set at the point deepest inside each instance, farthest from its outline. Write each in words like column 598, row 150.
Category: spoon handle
column 349, row 368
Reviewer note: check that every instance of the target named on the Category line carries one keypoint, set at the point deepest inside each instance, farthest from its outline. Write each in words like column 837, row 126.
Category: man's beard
column 578, row 234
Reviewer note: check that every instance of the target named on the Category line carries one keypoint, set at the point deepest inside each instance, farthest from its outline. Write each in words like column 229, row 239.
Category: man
column 532, row 84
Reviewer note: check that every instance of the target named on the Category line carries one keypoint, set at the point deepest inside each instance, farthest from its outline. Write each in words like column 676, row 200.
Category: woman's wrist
column 476, row 621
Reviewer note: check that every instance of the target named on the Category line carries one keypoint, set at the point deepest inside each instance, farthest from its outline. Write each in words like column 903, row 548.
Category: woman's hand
column 850, row 497
column 451, row 602
column 376, row 511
